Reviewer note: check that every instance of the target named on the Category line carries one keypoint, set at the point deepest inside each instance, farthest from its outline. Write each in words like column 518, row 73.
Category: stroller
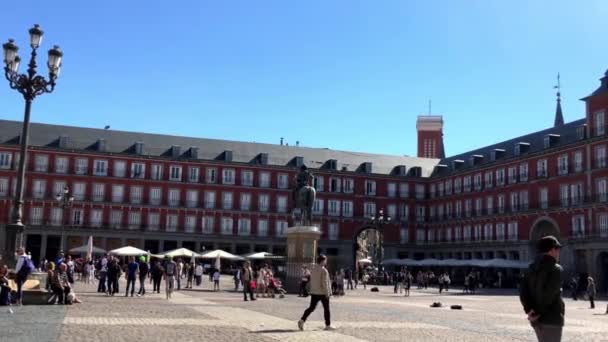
column 275, row 286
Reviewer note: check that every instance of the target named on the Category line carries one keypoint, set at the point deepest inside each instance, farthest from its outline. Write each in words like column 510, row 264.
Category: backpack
column 26, row 268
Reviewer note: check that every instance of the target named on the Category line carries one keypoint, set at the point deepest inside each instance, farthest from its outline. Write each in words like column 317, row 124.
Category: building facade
column 160, row 192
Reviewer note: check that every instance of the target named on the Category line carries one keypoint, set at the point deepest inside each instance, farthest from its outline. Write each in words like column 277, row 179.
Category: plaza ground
column 361, row 315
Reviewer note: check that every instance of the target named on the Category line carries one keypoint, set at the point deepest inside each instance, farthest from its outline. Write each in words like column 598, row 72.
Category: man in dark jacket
column 540, row 292
column 143, row 273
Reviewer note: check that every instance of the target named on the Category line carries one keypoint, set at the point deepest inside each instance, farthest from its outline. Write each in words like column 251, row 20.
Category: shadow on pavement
column 274, row 331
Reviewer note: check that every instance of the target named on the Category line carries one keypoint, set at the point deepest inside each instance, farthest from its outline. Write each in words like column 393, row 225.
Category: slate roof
column 123, row 142
column 567, row 135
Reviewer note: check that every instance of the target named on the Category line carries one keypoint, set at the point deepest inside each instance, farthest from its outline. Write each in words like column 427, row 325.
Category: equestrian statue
column 304, row 195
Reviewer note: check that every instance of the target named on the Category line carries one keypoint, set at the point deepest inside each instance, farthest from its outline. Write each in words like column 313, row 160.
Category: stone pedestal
column 301, row 249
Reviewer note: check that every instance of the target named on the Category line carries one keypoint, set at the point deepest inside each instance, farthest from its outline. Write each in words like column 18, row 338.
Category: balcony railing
column 209, row 204
column 191, row 204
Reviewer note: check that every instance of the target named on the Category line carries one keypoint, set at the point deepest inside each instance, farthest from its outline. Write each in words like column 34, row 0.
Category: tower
column 559, row 116
column 430, row 136
column 597, row 106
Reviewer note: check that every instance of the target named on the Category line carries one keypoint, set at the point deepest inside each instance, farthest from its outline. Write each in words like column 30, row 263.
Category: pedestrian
column 247, row 278
column 446, row 282
column 440, row 282
column 591, row 292
column 156, row 276
column 304, row 281
column 22, row 270
column 5, row 290
column 261, row 282
column 340, row 282
column 143, row 273
column 198, row 274
column 320, row 291
column 237, row 279
column 349, row 279
column 216, row 280
column 59, row 259
column 365, row 280
column 408, row 283
column 573, row 287
column 71, row 269
column 190, row 275
column 113, row 275
column 132, row 269
column 540, row 292
column 178, row 273
column 170, row 275
column 102, row 268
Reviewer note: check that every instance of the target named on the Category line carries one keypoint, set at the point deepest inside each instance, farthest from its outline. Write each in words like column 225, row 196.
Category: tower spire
column 559, row 116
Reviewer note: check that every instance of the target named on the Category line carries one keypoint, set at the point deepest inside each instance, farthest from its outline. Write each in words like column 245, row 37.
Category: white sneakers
column 327, row 328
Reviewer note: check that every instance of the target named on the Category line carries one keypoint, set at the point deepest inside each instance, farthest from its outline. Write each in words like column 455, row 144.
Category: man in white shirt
column 21, row 262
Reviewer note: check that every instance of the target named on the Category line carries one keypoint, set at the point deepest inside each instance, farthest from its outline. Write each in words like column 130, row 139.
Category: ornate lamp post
column 30, row 85
column 378, row 222
column 65, row 200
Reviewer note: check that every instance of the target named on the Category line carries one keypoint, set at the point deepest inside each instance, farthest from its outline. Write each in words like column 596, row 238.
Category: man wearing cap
column 540, row 292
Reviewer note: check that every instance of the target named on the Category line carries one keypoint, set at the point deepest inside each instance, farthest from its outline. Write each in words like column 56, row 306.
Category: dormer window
column 550, row 140
column 580, row 132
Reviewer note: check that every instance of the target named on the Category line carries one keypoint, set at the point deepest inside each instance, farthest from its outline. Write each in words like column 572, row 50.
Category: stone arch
column 356, row 242
column 544, row 226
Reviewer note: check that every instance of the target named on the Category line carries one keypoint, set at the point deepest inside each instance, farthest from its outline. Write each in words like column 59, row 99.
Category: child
column 216, row 280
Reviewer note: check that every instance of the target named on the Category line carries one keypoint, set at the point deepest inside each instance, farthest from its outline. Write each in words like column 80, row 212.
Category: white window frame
column 100, row 167
column 262, row 230
column 227, row 227
column 175, row 173
column 333, row 231
column 194, row 174
column 211, row 175
column 228, row 176
column 244, row 226
column 247, row 178
column 41, row 163
column 119, row 168
column 62, row 164
column 6, row 159
column 138, row 170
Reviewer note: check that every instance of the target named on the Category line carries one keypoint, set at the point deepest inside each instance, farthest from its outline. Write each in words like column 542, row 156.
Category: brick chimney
column 430, row 136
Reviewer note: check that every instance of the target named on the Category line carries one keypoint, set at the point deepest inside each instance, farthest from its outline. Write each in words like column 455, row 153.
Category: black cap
column 547, row 243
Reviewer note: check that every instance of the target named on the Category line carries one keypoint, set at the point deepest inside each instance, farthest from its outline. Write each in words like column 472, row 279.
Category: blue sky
column 348, row 75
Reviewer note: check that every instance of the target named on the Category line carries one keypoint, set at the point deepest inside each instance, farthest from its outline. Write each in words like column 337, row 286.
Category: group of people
column 262, row 281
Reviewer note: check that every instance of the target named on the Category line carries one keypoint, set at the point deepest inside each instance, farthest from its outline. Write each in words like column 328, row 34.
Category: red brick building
column 159, row 192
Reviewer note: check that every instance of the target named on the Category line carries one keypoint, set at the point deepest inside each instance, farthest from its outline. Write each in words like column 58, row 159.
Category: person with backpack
column 170, row 274
column 143, row 273
column 23, row 269
column 540, row 292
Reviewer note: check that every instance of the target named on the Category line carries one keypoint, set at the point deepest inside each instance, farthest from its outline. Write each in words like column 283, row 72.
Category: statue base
column 302, row 243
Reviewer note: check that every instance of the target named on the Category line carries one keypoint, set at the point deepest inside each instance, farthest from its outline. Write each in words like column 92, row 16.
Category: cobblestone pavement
column 202, row 315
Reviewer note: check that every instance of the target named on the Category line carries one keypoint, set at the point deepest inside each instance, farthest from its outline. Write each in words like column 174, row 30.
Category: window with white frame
column 245, row 201
column 118, row 193
column 523, row 172
column 600, row 156
column 512, row 230
column 35, row 216
column 457, row 233
column 500, row 177
column 347, row 208
column 138, row 170
column 228, row 176
column 96, row 217
column 41, row 163
column 116, row 218
column 370, row 187
column 488, row 179
column 175, row 173
column 564, row 194
column 39, row 188
column 56, row 216
column 120, row 168
column 264, row 179
column 420, row 236
column 404, row 212
column 282, row 204
column 283, row 180
column 432, row 212
column 333, row 208
column 432, row 191
column 448, row 210
column 478, row 206
column 82, row 166
column 457, row 185
column 440, row 189
column 562, row 164
column 171, row 225
column 477, row 181
column 391, row 211
column 211, row 175
column 448, row 187
column 333, row 232
column 348, row 185
column 514, row 202
column 61, row 164
column 134, row 220
column 227, row 226
column 500, row 203
column 467, row 183
column 369, row 209
column 153, row 221
column 318, row 183
column 458, row 209
column 602, row 223
column 490, row 205
column 440, row 211
column 6, row 160
column 578, row 161
column 174, row 197
column 100, row 167
column 420, row 213
column 156, row 172
column 430, row 235
column 99, row 191
column 487, row 232
column 136, row 194
column 420, row 191
column 77, row 216
column 3, row 187
column 578, row 225
column 317, row 207
column 78, row 191
column 226, row 200
column 543, row 198
column 247, row 178
column 541, row 168
column 194, row 174
column 59, row 187
column 466, row 233
column 192, row 198
column 602, row 190
column 262, row 227
column 500, row 231
column 477, row 232
column 512, row 174
column 244, row 226
column 600, row 124
column 263, row 202
column 155, row 196
column 523, row 200
column 391, row 189
column 404, row 235
column 190, row 224
column 209, row 199
column 576, row 193
column 448, row 234
column 468, row 207
column 207, row 222
column 281, row 228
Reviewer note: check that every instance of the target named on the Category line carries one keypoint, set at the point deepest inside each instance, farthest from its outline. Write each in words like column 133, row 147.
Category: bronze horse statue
column 304, row 195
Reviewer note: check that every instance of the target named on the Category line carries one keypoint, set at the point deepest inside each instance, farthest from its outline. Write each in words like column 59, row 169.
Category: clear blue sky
column 343, row 74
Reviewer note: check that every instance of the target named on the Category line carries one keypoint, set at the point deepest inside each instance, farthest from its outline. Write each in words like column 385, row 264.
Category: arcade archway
column 543, row 226
column 367, row 245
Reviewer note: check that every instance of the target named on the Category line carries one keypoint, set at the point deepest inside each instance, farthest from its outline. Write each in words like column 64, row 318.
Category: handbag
column 252, row 284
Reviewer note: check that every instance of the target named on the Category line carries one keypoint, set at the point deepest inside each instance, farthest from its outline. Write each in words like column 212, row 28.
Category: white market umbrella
column 262, row 256
column 180, row 252
column 221, row 254
column 85, row 249
column 127, row 251
column 365, row 261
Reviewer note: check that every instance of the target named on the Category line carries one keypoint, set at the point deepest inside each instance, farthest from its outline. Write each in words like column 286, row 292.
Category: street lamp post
column 30, row 85
column 378, row 222
column 65, row 199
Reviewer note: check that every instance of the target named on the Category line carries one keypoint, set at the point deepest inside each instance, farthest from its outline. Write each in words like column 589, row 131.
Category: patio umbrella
column 85, row 249
column 180, row 252
column 222, row 254
column 127, row 251
column 262, row 256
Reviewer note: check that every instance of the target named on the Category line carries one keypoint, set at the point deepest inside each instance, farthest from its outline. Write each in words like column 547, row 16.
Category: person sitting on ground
column 60, row 284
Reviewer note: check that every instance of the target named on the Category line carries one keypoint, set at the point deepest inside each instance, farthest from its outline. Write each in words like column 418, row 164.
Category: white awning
column 221, row 254
column 85, row 249
column 128, row 251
